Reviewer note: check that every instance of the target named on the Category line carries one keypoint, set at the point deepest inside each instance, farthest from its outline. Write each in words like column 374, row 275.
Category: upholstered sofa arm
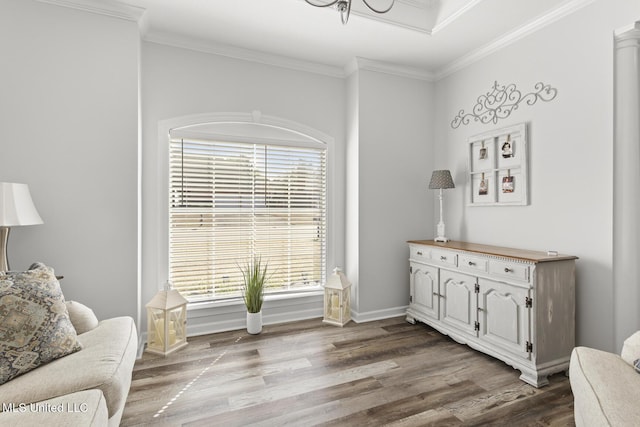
column 82, row 317
column 105, row 363
column 605, row 389
column 83, row 408
column 631, row 348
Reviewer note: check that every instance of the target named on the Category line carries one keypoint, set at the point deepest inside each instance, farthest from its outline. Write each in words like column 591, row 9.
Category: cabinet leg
column 411, row 320
column 534, row 379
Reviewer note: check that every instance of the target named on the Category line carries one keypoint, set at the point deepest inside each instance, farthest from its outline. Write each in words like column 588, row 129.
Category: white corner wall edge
column 626, row 200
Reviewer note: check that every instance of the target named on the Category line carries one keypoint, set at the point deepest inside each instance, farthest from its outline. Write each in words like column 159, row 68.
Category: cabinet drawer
column 444, row 257
column 509, row 270
column 473, row 263
column 419, row 253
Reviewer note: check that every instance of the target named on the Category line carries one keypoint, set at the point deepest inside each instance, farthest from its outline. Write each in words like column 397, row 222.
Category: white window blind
column 232, row 201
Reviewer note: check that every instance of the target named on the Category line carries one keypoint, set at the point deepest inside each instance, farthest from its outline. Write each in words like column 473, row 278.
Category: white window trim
column 177, row 125
column 212, row 304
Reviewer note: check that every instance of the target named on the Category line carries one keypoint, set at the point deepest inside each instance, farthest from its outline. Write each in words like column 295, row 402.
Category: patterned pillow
column 636, row 365
column 34, row 323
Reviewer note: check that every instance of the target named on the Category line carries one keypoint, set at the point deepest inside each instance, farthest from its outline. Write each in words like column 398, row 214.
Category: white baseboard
column 370, row 316
column 237, row 324
column 272, row 319
column 142, row 340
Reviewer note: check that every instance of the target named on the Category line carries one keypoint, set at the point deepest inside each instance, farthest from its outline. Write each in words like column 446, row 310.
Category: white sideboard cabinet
column 515, row 305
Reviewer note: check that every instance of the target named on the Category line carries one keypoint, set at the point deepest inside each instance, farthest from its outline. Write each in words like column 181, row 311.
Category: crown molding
column 509, row 38
column 630, row 32
column 242, row 54
column 359, row 63
column 235, row 52
column 384, row 19
column 445, row 22
column 384, row 67
column 114, row 9
column 418, row 5
column 132, row 13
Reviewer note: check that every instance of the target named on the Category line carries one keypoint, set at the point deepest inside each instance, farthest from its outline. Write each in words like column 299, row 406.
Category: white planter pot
column 254, row 323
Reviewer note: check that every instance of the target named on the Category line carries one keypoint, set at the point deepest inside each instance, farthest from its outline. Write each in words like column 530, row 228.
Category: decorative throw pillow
column 34, row 323
column 636, row 365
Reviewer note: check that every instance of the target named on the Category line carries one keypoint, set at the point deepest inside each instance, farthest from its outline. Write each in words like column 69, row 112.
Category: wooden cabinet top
column 531, row 256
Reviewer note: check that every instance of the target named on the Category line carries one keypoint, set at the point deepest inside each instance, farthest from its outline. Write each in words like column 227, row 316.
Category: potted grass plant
column 254, row 274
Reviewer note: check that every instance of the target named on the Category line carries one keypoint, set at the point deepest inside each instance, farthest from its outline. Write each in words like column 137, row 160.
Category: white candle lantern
column 337, row 299
column 166, row 322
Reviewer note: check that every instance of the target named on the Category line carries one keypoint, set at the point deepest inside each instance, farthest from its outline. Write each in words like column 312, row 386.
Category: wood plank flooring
column 307, row 373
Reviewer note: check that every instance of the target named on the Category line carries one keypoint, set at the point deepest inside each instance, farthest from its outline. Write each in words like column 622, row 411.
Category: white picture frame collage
column 498, row 173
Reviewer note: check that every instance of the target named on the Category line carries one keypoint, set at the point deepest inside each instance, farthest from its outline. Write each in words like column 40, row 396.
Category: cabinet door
column 459, row 301
column 504, row 316
column 424, row 290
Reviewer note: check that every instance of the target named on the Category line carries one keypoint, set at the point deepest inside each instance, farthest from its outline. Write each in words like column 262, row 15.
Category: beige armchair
column 605, row 386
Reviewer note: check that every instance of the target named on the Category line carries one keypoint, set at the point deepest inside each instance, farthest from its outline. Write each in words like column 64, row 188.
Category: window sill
column 203, row 305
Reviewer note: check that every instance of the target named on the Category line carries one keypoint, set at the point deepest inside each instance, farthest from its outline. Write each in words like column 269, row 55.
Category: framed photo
column 507, row 151
column 483, row 155
column 509, row 155
column 483, row 188
column 507, row 184
column 498, row 167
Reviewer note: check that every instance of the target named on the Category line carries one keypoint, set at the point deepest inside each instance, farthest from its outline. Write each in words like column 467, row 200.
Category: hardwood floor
column 386, row 372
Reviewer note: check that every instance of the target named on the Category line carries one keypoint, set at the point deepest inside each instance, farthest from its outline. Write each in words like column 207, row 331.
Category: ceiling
column 430, row 37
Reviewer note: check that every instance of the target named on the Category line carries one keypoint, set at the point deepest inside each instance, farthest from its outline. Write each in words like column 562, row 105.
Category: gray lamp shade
column 441, row 179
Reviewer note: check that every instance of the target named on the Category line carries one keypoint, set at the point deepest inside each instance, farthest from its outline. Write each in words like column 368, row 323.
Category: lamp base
column 440, row 233
column 4, row 238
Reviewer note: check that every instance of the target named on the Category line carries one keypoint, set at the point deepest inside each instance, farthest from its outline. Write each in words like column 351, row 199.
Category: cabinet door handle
column 508, row 270
column 419, row 252
column 479, row 308
column 443, row 258
column 471, row 263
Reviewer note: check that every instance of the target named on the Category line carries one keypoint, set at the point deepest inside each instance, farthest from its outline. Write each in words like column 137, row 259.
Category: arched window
column 240, row 189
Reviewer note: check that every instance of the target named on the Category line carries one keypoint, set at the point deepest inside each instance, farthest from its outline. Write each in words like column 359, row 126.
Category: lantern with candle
column 166, row 321
column 337, row 299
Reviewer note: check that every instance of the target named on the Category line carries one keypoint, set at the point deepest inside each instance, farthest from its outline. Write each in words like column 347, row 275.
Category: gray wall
column 570, row 153
column 69, row 119
column 69, row 115
column 390, row 163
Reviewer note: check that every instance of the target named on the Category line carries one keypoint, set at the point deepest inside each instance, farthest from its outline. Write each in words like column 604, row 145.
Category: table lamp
column 16, row 209
column 441, row 179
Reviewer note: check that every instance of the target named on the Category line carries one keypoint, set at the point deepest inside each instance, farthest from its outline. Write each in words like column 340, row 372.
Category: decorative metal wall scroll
column 501, row 101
